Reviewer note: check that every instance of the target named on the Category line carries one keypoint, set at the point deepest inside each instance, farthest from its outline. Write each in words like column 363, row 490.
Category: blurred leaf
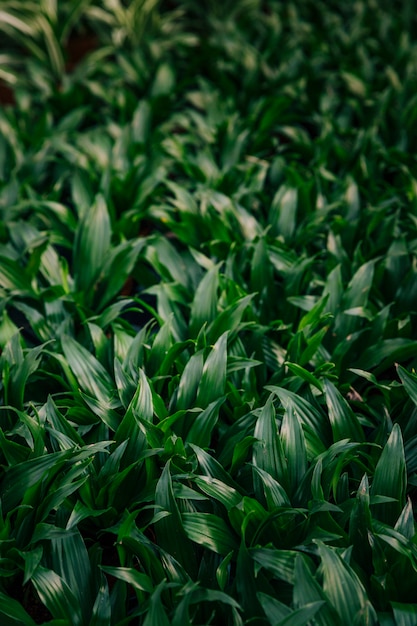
column 12, row 613
column 404, row 614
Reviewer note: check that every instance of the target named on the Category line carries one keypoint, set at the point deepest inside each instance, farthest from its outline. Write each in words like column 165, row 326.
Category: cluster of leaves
column 208, row 405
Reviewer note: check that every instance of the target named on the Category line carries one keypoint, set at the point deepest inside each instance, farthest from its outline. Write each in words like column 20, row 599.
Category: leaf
column 343, row 587
column 213, row 379
column 294, row 447
column 101, row 612
column 57, row 596
column 229, row 319
column 307, row 589
column 209, row 531
column 22, row 370
column 12, row 612
column 404, row 614
column 360, row 525
column 297, row 370
column 280, row 563
column 316, row 425
column 90, row 374
column 283, row 212
column 274, row 492
column 156, row 614
column 13, row 279
column 274, row 610
column 409, row 381
column 142, row 403
column 19, row 478
column 279, row 614
column 204, row 305
column 69, row 559
column 387, row 352
column 345, row 424
column 218, row 490
column 169, row 530
column 189, row 381
column 138, row 580
column 390, row 478
column 202, row 427
column 268, row 453
column 116, row 269
column 91, row 246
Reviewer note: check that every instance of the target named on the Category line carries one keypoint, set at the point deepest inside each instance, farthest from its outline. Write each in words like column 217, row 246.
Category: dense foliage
column 208, row 313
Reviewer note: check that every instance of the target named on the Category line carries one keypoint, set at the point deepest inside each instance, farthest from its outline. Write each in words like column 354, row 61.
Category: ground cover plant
column 208, row 320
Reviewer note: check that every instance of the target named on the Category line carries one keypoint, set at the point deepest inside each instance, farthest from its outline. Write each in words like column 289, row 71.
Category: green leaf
column 19, row 478
column 101, row 612
column 297, row 370
column 345, row 424
column 343, row 587
column 138, row 580
column 116, row 269
column 274, row 610
column 294, row 447
column 283, row 212
column 202, row 427
column 281, row 563
column 218, row 490
column 213, row 379
column 156, row 614
column 316, row 425
column 390, row 478
column 307, row 589
column 91, row 246
column 209, row 531
column 189, row 381
column 409, row 381
column 170, row 530
column 90, row 374
column 12, row 612
column 279, row 614
column 204, row 305
column 268, row 453
column 360, row 525
column 404, row 614
column 229, row 319
column 57, row 596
